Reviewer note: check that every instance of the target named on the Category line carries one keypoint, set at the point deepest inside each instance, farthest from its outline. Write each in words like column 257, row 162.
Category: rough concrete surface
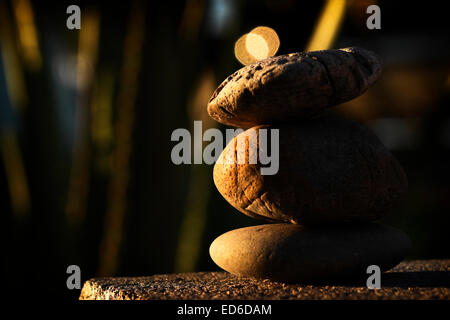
column 420, row 279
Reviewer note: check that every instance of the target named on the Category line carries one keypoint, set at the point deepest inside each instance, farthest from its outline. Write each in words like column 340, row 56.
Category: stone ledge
column 420, row 279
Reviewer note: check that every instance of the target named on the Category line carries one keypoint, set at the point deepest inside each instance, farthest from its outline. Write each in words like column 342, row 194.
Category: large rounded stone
column 292, row 253
column 330, row 170
column 293, row 86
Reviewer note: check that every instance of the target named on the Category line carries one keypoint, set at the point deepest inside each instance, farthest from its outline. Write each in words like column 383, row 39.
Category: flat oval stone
column 292, row 253
column 293, row 86
column 330, row 170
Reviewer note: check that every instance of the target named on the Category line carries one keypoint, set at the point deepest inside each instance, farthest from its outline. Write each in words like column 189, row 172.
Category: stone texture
column 412, row 280
column 330, row 170
column 293, row 86
column 292, row 253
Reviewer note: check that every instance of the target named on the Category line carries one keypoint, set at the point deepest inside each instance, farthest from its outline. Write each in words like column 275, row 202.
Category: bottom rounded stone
column 293, row 253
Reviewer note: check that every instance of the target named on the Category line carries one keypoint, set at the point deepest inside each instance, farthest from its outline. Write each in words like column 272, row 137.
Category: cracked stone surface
column 290, row 87
column 419, row 279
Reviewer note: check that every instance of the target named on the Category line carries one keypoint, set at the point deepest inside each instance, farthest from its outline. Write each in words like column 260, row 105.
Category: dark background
column 86, row 118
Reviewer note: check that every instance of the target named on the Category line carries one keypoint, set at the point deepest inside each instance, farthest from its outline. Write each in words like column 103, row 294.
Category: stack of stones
column 335, row 177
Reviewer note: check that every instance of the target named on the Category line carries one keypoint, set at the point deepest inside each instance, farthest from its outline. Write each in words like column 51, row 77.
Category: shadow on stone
column 436, row 279
column 418, row 279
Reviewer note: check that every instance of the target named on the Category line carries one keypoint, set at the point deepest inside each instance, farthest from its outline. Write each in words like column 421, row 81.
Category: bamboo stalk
column 327, row 25
column 79, row 173
column 15, row 174
column 195, row 214
column 116, row 207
